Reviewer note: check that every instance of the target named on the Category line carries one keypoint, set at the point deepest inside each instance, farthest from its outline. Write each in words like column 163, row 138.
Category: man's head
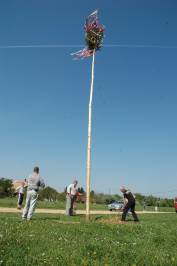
column 123, row 189
column 75, row 182
column 36, row 170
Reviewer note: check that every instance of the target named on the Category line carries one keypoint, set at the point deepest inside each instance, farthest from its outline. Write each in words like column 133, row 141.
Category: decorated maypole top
column 94, row 35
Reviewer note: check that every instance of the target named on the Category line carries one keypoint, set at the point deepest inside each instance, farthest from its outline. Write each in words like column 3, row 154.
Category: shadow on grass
column 97, row 218
column 79, row 217
column 46, row 218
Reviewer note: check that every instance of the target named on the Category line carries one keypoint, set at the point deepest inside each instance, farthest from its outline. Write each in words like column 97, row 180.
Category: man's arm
column 17, row 189
column 125, row 200
column 42, row 184
column 69, row 190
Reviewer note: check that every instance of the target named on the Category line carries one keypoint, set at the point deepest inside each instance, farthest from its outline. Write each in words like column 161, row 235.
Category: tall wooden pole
column 89, row 144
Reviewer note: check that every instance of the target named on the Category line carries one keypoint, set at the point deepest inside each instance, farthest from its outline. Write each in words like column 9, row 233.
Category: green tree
column 81, row 190
column 61, row 196
column 6, row 187
column 151, row 200
column 140, row 198
column 49, row 194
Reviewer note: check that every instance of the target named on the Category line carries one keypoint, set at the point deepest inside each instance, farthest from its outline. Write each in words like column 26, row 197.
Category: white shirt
column 72, row 190
column 21, row 190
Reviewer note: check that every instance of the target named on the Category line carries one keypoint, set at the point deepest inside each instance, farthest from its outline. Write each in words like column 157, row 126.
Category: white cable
column 79, row 45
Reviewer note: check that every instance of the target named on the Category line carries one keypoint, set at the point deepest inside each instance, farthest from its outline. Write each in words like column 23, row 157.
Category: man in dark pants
column 129, row 200
column 72, row 191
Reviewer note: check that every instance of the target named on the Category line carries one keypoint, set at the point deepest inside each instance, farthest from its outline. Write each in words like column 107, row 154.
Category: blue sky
column 44, row 94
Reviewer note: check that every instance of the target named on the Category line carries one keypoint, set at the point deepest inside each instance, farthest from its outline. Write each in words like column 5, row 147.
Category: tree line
column 51, row 194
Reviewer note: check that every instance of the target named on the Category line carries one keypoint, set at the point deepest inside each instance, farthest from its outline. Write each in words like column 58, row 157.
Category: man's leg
column 125, row 211
column 20, row 200
column 27, row 205
column 68, row 205
column 72, row 205
column 33, row 203
column 135, row 217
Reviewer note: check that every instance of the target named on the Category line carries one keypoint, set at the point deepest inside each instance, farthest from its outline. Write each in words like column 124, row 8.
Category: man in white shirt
column 34, row 183
column 71, row 195
column 20, row 191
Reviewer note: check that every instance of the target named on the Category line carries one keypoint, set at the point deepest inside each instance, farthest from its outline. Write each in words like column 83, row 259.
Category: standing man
column 20, row 191
column 34, row 182
column 71, row 195
column 129, row 201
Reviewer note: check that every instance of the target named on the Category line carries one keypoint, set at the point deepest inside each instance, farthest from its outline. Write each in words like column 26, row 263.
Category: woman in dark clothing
column 129, row 200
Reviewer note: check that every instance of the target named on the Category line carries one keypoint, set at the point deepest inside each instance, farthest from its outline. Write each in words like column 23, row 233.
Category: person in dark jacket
column 129, row 201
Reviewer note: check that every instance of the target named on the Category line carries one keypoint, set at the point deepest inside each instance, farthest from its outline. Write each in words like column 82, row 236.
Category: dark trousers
column 129, row 206
column 20, row 198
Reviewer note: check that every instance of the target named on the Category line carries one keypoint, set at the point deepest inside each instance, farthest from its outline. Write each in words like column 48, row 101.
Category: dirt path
column 55, row 211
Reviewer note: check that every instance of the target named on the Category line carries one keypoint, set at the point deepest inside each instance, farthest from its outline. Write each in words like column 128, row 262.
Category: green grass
column 12, row 202
column 48, row 240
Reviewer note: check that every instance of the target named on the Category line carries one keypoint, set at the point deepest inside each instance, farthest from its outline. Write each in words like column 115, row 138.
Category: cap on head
column 36, row 169
column 123, row 189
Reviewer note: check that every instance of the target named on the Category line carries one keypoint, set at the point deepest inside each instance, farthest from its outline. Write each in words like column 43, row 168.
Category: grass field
column 12, row 202
column 58, row 240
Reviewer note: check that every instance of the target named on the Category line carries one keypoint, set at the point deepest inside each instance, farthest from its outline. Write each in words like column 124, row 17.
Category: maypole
column 89, row 144
column 94, row 34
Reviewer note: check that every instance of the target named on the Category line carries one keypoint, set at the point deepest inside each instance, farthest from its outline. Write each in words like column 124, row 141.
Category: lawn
column 12, row 202
column 58, row 240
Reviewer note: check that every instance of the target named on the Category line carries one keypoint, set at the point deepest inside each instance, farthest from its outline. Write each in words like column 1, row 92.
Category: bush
column 6, row 188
